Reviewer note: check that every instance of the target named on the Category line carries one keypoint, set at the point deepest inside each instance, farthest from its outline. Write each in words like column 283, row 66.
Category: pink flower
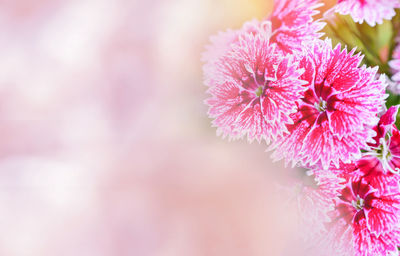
column 293, row 25
column 253, row 90
column 371, row 11
column 338, row 110
column 365, row 220
column 379, row 166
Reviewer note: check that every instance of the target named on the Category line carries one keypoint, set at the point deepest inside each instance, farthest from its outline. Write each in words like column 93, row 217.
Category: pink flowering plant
column 322, row 91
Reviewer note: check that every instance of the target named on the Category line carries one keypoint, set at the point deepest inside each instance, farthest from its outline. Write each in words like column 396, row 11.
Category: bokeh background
column 105, row 145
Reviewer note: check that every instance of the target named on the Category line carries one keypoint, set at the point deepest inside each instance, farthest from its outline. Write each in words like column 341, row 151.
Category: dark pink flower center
column 321, row 105
column 354, row 199
column 318, row 101
column 322, row 90
column 259, row 91
column 358, row 203
column 382, row 151
column 251, row 81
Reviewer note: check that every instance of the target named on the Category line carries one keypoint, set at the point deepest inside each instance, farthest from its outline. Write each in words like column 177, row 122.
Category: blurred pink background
column 106, row 148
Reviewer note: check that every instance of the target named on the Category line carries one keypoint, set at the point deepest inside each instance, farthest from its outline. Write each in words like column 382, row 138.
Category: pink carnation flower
column 253, row 90
column 380, row 166
column 338, row 110
column 371, row 11
column 293, row 25
column 365, row 221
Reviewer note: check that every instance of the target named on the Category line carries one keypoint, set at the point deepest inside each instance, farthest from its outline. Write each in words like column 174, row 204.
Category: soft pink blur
column 106, row 148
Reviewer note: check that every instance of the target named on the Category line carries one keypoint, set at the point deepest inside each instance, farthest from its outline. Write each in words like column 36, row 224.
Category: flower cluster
column 318, row 107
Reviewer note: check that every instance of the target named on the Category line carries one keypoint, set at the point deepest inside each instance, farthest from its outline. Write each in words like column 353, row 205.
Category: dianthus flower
column 293, row 24
column 338, row 110
column 254, row 89
column 371, row 11
column 365, row 221
column 380, row 166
